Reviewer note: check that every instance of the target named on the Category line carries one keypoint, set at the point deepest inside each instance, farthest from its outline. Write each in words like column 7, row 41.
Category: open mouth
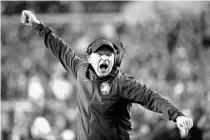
column 103, row 66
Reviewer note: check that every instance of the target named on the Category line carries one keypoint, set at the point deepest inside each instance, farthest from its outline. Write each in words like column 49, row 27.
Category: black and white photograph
column 105, row 70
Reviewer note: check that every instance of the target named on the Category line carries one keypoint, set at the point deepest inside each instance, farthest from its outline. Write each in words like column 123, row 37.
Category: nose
column 104, row 59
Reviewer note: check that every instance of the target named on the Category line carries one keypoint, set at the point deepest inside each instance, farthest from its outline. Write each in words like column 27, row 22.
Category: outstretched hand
column 29, row 19
column 184, row 123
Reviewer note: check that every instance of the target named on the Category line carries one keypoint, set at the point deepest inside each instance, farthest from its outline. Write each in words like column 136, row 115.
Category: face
column 102, row 62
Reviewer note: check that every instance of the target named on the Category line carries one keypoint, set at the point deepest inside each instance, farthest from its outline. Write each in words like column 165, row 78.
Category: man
column 105, row 94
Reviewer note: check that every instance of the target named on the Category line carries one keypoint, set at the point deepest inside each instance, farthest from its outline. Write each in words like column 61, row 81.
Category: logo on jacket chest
column 105, row 88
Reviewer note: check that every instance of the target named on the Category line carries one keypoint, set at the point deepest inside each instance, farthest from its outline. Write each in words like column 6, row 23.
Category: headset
column 119, row 51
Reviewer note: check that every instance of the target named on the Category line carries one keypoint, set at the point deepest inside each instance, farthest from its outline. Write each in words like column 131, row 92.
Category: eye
column 111, row 54
column 98, row 54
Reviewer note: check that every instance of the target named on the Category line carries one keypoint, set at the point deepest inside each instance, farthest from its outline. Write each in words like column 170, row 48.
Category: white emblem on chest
column 105, row 88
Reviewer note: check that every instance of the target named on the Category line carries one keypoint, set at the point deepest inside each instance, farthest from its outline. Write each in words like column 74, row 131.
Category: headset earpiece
column 89, row 50
column 120, row 54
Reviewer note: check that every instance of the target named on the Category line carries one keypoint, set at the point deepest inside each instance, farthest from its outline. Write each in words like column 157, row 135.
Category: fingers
column 24, row 20
column 183, row 128
column 24, row 17
column 27, row 17
column 184, row 123
column 179, row 126
column 27, row 13
column 188, row 123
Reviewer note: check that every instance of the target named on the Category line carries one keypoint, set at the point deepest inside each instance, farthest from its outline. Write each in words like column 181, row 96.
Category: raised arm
column 60, row 49
column 134, row 91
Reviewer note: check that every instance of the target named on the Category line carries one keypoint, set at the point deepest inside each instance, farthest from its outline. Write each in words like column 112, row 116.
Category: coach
column 105, row 95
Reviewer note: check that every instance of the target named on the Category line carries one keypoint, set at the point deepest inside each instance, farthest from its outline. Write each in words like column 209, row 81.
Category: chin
column 103, row 74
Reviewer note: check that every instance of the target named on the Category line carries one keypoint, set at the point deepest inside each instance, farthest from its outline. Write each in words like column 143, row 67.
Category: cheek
column 94, row 59
column 112, row 61
column 94, row 62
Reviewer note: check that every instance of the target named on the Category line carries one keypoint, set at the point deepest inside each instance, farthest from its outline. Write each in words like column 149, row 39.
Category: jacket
column 104, row 103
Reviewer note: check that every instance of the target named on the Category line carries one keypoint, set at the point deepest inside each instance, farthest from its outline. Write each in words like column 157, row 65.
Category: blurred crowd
column 168, row 49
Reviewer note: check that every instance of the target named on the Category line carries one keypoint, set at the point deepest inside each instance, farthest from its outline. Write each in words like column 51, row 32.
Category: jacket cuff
column 175, row 115
column 39, row 26
column 43, row 30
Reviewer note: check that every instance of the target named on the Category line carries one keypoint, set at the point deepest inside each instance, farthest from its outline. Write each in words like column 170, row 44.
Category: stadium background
column 167, row 48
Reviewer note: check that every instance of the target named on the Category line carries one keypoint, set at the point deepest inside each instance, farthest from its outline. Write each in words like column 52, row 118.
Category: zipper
column 91, row 116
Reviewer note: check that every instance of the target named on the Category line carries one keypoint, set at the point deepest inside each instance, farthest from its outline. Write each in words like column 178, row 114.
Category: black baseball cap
column 102, row 43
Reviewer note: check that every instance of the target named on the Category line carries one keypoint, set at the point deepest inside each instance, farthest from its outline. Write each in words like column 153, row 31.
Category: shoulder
column 125, row 78
column 82, row 66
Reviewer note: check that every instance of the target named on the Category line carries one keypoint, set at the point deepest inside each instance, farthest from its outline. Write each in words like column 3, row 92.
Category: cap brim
column 105, row 47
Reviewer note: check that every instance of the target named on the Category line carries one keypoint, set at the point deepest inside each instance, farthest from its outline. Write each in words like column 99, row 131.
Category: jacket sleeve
column 135, row 92
column 59, row 48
